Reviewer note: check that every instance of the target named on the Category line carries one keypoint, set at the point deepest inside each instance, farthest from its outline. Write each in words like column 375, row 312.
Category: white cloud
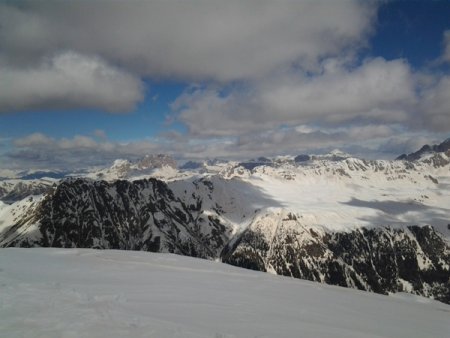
column 203, row 39
column 435, row 105
column 68, row 80
column 378, row 91
column 34, row 140
column 370, row 132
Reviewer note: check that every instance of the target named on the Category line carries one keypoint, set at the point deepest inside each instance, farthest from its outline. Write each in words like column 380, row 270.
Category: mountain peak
column 150, row 161
column 436, row 148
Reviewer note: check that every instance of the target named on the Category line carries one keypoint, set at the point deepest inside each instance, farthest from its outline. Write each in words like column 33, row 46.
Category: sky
column 85, row 82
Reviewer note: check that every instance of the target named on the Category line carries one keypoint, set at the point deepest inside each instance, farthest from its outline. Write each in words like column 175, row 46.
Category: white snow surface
column 348, row 194
column 87, row 293
column 10, row 215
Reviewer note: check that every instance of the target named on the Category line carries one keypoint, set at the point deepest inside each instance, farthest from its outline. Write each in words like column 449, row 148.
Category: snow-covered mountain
column 443, row 147
column 85, row 293
column 379, row 226
column 382, row 259
column 138, row 215
column 12, row 190
column 149, row 165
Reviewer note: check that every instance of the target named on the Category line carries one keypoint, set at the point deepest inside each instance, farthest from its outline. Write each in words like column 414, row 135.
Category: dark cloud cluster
column 71, row 54
column 201, row 39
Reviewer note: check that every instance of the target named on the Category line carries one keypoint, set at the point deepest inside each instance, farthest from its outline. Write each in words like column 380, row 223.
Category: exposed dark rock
column 139, row 215
column 253, row 165
column 264, row 159
column 438, row 148
column 383, row 260
column 191, row 165
column 302, row 158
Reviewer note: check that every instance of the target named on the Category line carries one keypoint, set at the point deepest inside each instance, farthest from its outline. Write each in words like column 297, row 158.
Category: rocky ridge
column 443, row 147
column 383, row 259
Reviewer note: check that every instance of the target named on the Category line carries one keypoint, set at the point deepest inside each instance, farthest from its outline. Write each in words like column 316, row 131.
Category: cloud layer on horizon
column 40, row 151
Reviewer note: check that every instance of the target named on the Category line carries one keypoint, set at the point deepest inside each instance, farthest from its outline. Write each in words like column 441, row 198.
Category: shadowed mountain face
column 443, row 147
column 193, row 218
column 140, row 215
column 383, row 260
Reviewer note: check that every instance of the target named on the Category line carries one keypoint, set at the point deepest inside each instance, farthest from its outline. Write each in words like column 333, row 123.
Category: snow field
column 87, row 293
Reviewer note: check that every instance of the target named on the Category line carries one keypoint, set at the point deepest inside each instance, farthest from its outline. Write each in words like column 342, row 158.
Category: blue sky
column 202, row 79
column 146, row 120
column 411, row 30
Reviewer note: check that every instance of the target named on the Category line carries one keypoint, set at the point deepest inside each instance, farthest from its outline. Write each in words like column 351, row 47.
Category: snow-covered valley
column 353, row 192
column 80, row 293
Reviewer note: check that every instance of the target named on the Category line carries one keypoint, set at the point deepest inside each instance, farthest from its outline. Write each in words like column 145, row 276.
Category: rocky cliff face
column 443, row 147
column 139, row 215
column 383, row 260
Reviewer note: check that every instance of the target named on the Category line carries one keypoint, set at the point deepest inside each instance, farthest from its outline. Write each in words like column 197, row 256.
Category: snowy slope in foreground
column 87, row 293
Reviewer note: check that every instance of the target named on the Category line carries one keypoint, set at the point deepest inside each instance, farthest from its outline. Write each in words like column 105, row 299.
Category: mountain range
column 374, row 225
